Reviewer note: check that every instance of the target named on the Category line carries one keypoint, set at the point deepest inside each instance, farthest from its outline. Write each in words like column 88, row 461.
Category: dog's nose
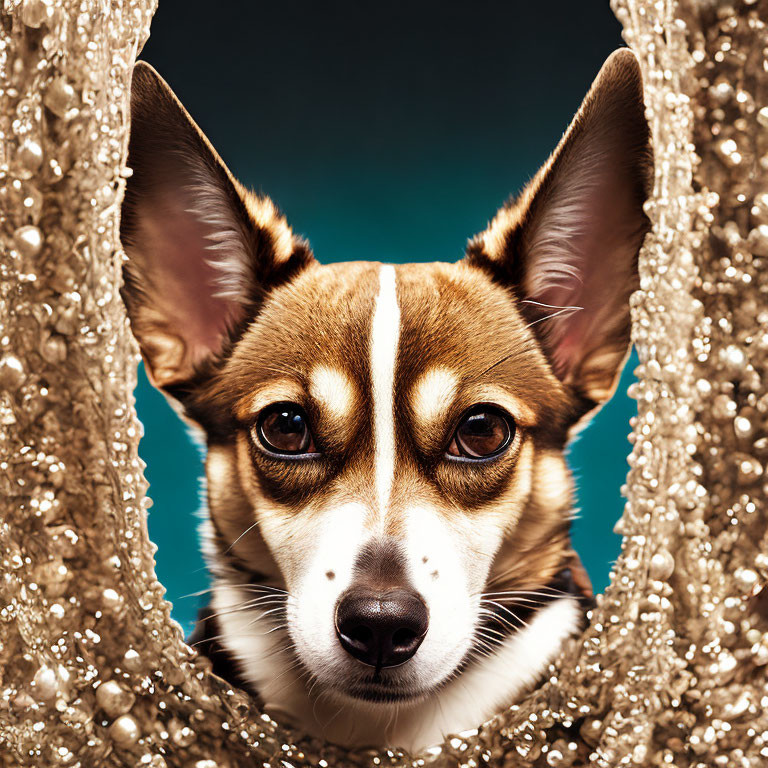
column 381, row 629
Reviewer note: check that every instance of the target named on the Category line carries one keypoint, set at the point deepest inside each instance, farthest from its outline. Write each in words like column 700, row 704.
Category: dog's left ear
column 568, row 245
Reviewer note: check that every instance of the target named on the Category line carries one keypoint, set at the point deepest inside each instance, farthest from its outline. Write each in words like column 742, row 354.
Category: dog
column 388, row 502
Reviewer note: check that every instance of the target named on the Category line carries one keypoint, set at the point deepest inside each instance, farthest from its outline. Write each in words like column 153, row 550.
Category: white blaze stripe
column 385, row 331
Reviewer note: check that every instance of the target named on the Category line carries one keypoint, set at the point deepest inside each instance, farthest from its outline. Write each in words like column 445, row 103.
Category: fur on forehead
column 320, row 318
column 455, row 317
column 451, row 315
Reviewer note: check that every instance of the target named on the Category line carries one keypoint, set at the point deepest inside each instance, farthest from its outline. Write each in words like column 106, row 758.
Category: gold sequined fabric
column 93, row 671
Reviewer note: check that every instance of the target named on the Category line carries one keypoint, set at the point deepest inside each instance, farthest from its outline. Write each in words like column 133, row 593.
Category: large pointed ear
column 202, row 251
column 568, row 245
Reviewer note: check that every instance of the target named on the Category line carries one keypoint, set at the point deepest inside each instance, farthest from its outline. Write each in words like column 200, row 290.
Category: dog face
column 385, row 443
column 388, row 490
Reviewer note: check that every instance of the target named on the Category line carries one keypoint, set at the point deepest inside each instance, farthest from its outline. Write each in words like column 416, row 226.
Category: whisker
column 206, row 640
column 514, row 600
column 326, row 725
column 504, row 359
column 544, row 591
column 239, row 607
column 269, row 588
column 549, row 306
column 481, row 652
column 483, row 631
column 535, row 592
column 291, row 668
column 264, row 614
column 504, row 610
column 288, row 647
column 312, row 688
column 487, row 643
column 500, row 618
column 249, row 587
column 247, row 530
column 503, row 621
column 213, row 588
column 554, row 314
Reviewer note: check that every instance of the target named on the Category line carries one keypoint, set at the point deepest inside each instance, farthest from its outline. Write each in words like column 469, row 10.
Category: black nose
column 381, row 629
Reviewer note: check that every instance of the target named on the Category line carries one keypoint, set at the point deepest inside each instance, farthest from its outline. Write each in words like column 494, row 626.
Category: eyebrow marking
column 332, row 389
column 520, row 410
column 522, row 413
column 433, row 393
column 272, row 392
column 385, row 333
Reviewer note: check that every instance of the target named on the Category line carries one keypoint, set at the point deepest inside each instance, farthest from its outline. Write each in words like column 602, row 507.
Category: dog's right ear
column 202, row 251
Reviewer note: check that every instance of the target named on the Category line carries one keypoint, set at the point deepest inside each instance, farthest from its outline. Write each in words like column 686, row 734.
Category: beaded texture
column 671, row 671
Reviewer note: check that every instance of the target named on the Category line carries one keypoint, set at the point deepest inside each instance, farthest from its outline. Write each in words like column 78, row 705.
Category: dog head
column 385, row 443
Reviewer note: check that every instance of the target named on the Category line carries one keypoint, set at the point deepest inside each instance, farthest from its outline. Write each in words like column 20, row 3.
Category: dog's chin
column 380, row 694
column 379, row 690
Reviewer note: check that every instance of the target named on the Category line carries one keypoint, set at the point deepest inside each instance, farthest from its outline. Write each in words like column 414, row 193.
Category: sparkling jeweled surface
column 671, row 672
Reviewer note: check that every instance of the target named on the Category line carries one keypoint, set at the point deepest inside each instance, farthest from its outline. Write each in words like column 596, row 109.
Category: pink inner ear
column 564, row 327
column 184, row 284
column 582, row 255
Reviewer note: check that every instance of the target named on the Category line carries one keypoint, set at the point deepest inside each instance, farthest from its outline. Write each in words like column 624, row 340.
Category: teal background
column 389, row 131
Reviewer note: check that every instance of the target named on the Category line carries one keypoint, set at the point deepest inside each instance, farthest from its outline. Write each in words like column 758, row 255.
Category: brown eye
column 483, row 432
column 283, row 429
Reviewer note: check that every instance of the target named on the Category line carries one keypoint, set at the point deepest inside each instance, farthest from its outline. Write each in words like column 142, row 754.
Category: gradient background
column 386, row 131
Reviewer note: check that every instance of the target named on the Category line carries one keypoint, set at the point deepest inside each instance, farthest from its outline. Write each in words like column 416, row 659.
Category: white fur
column 249, row 636
column 488, row 686
column 433, row 393
column 228, row 239
column 457, row 560
column 448, row 564
column 385, row 332
column 317, row 571
column 339, row 537
column 472, row 698
column 332, row 389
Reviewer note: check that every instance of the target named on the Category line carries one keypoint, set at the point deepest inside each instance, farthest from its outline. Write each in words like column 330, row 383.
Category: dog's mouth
column 379, row 690
column 391, row 685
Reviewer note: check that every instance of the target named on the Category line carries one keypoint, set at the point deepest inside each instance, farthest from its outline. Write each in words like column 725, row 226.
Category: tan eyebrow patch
column 522, row 413
column 278, row 391
column 433, row 393
column 332, row 389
